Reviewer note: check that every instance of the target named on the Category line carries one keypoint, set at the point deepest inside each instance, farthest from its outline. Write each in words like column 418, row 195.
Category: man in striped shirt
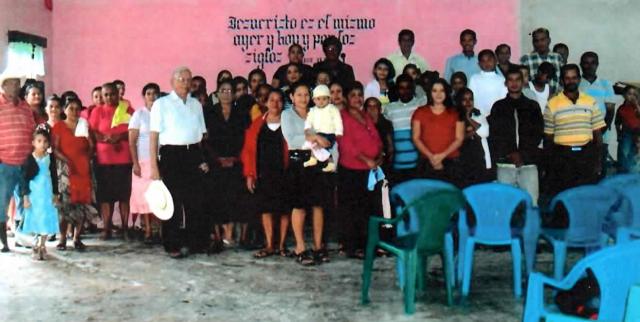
column 573, row 139
column 399, row 113
column 542, row 53
column 16, row 128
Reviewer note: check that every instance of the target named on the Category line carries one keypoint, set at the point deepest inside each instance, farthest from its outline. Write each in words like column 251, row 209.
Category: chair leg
column 534, row 303
column 410, row 282
column 463, row 235
column 447, row 265
column 366, row 271
column 421, row 267
column 559, row 258
column 516, row 253
column 468, row 267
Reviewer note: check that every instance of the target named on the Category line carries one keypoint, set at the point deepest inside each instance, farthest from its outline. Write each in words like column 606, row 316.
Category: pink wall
column 141, row 41
column 28, row 16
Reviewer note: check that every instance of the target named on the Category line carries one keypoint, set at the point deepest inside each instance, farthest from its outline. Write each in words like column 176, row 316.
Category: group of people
column 314, row 141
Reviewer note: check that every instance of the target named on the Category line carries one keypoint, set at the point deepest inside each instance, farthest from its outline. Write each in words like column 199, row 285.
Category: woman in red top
column 110, row 131
column 360, row 151
column 73, row 149
column 438, row 132
column 33, row 97
column 628, row 129
column 264, row 159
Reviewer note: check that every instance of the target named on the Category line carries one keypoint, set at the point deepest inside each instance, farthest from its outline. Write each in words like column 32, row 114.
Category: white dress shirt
column 487, row 87
column 178, row 123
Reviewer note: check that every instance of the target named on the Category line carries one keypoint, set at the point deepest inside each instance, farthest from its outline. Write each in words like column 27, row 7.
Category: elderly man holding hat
column 177, row 128
column 16, row 128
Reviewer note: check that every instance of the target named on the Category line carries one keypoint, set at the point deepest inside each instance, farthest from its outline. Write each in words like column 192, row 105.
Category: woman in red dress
column 73, row 146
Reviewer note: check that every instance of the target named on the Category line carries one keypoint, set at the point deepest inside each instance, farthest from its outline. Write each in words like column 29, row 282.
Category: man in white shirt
column 405, row 55
column 487, row 86
column 177, row 126
column 539, row 89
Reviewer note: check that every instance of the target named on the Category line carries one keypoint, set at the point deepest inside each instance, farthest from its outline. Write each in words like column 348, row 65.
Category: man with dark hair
column 538, row 89
column 573, row 139
column 405, row 56
column 515, row 131
column 503, row 55
column 562, row 50
column 198, row 85
column 296, row 56
column 487, row 85
column 399, row 114
column 541, row 53
column 339, row 71
column 600, row 89
column 466, row 61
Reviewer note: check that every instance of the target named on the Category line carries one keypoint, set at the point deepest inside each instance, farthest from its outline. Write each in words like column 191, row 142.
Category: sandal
column 305, row 258
column 79, row 246
column 321, row 255
column 263, row 253
column 284, row 252
column 62, row 246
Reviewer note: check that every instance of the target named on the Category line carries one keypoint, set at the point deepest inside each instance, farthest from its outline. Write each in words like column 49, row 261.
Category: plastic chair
column 587, row 207
column 620, row 180
column 493, row 204
column 434, row 211
column 624, row 223
column 408, row 191
column 616, row 269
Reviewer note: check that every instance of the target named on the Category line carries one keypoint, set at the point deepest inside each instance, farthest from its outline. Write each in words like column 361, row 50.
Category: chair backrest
column 631, row 205
column 405, row 193
column 587, row 207
column 620, row 180
column 616, row 268
column 493, row 205
column 434, row 211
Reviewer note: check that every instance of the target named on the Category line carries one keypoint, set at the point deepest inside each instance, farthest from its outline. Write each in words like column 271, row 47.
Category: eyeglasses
column 183, row 79
column 226, row 91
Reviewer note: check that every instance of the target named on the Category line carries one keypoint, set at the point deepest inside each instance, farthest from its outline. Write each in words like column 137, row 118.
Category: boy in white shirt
column 323, row 120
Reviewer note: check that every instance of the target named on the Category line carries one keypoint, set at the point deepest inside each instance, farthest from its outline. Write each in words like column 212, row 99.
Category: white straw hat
column 159, row 199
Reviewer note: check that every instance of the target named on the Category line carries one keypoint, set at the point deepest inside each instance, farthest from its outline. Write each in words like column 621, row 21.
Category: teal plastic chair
column 434, row 211
column 616, row 269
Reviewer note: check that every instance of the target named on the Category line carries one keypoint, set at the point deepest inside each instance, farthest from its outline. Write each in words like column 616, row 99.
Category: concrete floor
column 118, row 281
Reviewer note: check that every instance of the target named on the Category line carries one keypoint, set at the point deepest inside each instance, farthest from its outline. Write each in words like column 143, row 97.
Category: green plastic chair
column 434, row 211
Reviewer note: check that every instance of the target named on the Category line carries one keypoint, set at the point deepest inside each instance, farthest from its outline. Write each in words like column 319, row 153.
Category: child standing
column 323, row 121
column 40, row 193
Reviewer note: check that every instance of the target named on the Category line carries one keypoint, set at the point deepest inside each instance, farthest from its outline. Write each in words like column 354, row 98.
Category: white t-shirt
column 324, row 120
column 140, row 121
column 541, row 97
column 487, row 87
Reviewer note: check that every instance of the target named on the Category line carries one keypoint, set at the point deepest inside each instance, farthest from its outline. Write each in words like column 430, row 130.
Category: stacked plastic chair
column 433, row 211
column 616, row 269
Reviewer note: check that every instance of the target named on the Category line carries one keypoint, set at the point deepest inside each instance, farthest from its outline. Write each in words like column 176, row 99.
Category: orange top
column 437, row 131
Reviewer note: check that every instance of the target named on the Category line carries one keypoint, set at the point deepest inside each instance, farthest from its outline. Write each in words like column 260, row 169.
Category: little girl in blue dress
column 39, row 189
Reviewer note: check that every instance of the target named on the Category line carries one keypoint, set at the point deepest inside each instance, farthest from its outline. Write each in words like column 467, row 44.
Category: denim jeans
column 9, row 178
column 524, row 177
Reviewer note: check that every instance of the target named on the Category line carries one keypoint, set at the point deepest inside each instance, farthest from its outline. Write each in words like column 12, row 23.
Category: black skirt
column 226, row 196
column 307, row 187
column 113, row 183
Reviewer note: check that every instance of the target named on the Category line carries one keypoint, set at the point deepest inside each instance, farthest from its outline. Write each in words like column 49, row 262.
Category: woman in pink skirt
column 140, row 155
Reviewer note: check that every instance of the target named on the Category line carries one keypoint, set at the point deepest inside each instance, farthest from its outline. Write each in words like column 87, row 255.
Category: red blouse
column 629, row 117
column 106, row 153
column 358, row 139
column 437, row 131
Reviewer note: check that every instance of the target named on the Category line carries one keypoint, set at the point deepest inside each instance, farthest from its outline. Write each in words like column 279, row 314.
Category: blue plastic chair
column 404, row 194
column 587, row 207
column 624, row 223
column 620, row 180
column 616, row 268
column 493, row 204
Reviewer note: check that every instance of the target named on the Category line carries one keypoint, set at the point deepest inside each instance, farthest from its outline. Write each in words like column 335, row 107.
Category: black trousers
column 571, row 167
column 179, row 168
column 355, row 204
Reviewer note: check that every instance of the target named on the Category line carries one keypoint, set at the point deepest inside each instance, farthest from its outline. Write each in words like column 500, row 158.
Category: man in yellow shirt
column 573, row 138
column 405, row 55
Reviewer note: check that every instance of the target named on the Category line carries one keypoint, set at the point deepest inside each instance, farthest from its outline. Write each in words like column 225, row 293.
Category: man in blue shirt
column 466, row 61
column 602, row 91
